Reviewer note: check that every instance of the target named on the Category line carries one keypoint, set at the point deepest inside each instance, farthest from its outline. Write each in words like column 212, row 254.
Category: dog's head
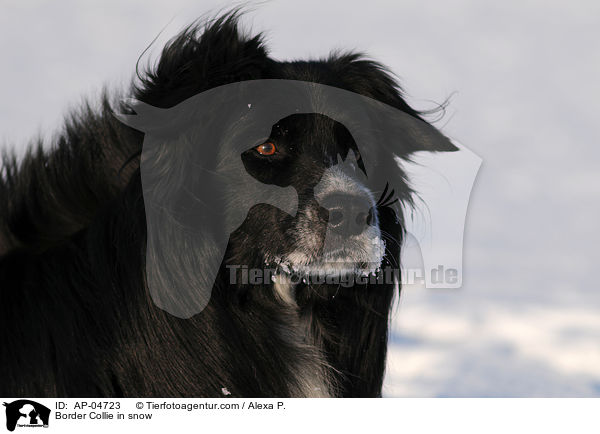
column 336, row 227
column 288, row 165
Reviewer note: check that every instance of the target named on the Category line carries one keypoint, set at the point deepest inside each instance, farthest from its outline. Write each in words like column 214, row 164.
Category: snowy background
column 524, row 76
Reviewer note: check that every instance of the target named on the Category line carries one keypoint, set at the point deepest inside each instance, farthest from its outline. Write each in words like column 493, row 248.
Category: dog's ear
column 203, row 56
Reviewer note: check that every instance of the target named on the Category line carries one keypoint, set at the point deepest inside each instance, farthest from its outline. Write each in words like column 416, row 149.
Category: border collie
column 106, row 235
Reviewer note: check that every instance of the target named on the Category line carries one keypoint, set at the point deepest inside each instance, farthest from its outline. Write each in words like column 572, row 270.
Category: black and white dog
column 77, row 316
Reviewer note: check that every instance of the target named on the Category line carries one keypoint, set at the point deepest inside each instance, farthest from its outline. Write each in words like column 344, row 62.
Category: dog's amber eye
column 267, row 148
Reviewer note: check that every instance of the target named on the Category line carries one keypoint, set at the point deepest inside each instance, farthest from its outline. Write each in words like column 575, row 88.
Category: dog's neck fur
column 314, row 376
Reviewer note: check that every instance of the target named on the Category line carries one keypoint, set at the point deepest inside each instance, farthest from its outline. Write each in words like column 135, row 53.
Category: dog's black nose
column 349, row 214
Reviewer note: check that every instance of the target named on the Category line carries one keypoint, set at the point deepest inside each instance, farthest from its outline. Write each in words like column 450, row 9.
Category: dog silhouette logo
column 189, row 189
column 26, row 413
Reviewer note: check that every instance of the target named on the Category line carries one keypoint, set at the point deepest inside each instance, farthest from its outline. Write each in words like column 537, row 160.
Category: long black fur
column 76, row 318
